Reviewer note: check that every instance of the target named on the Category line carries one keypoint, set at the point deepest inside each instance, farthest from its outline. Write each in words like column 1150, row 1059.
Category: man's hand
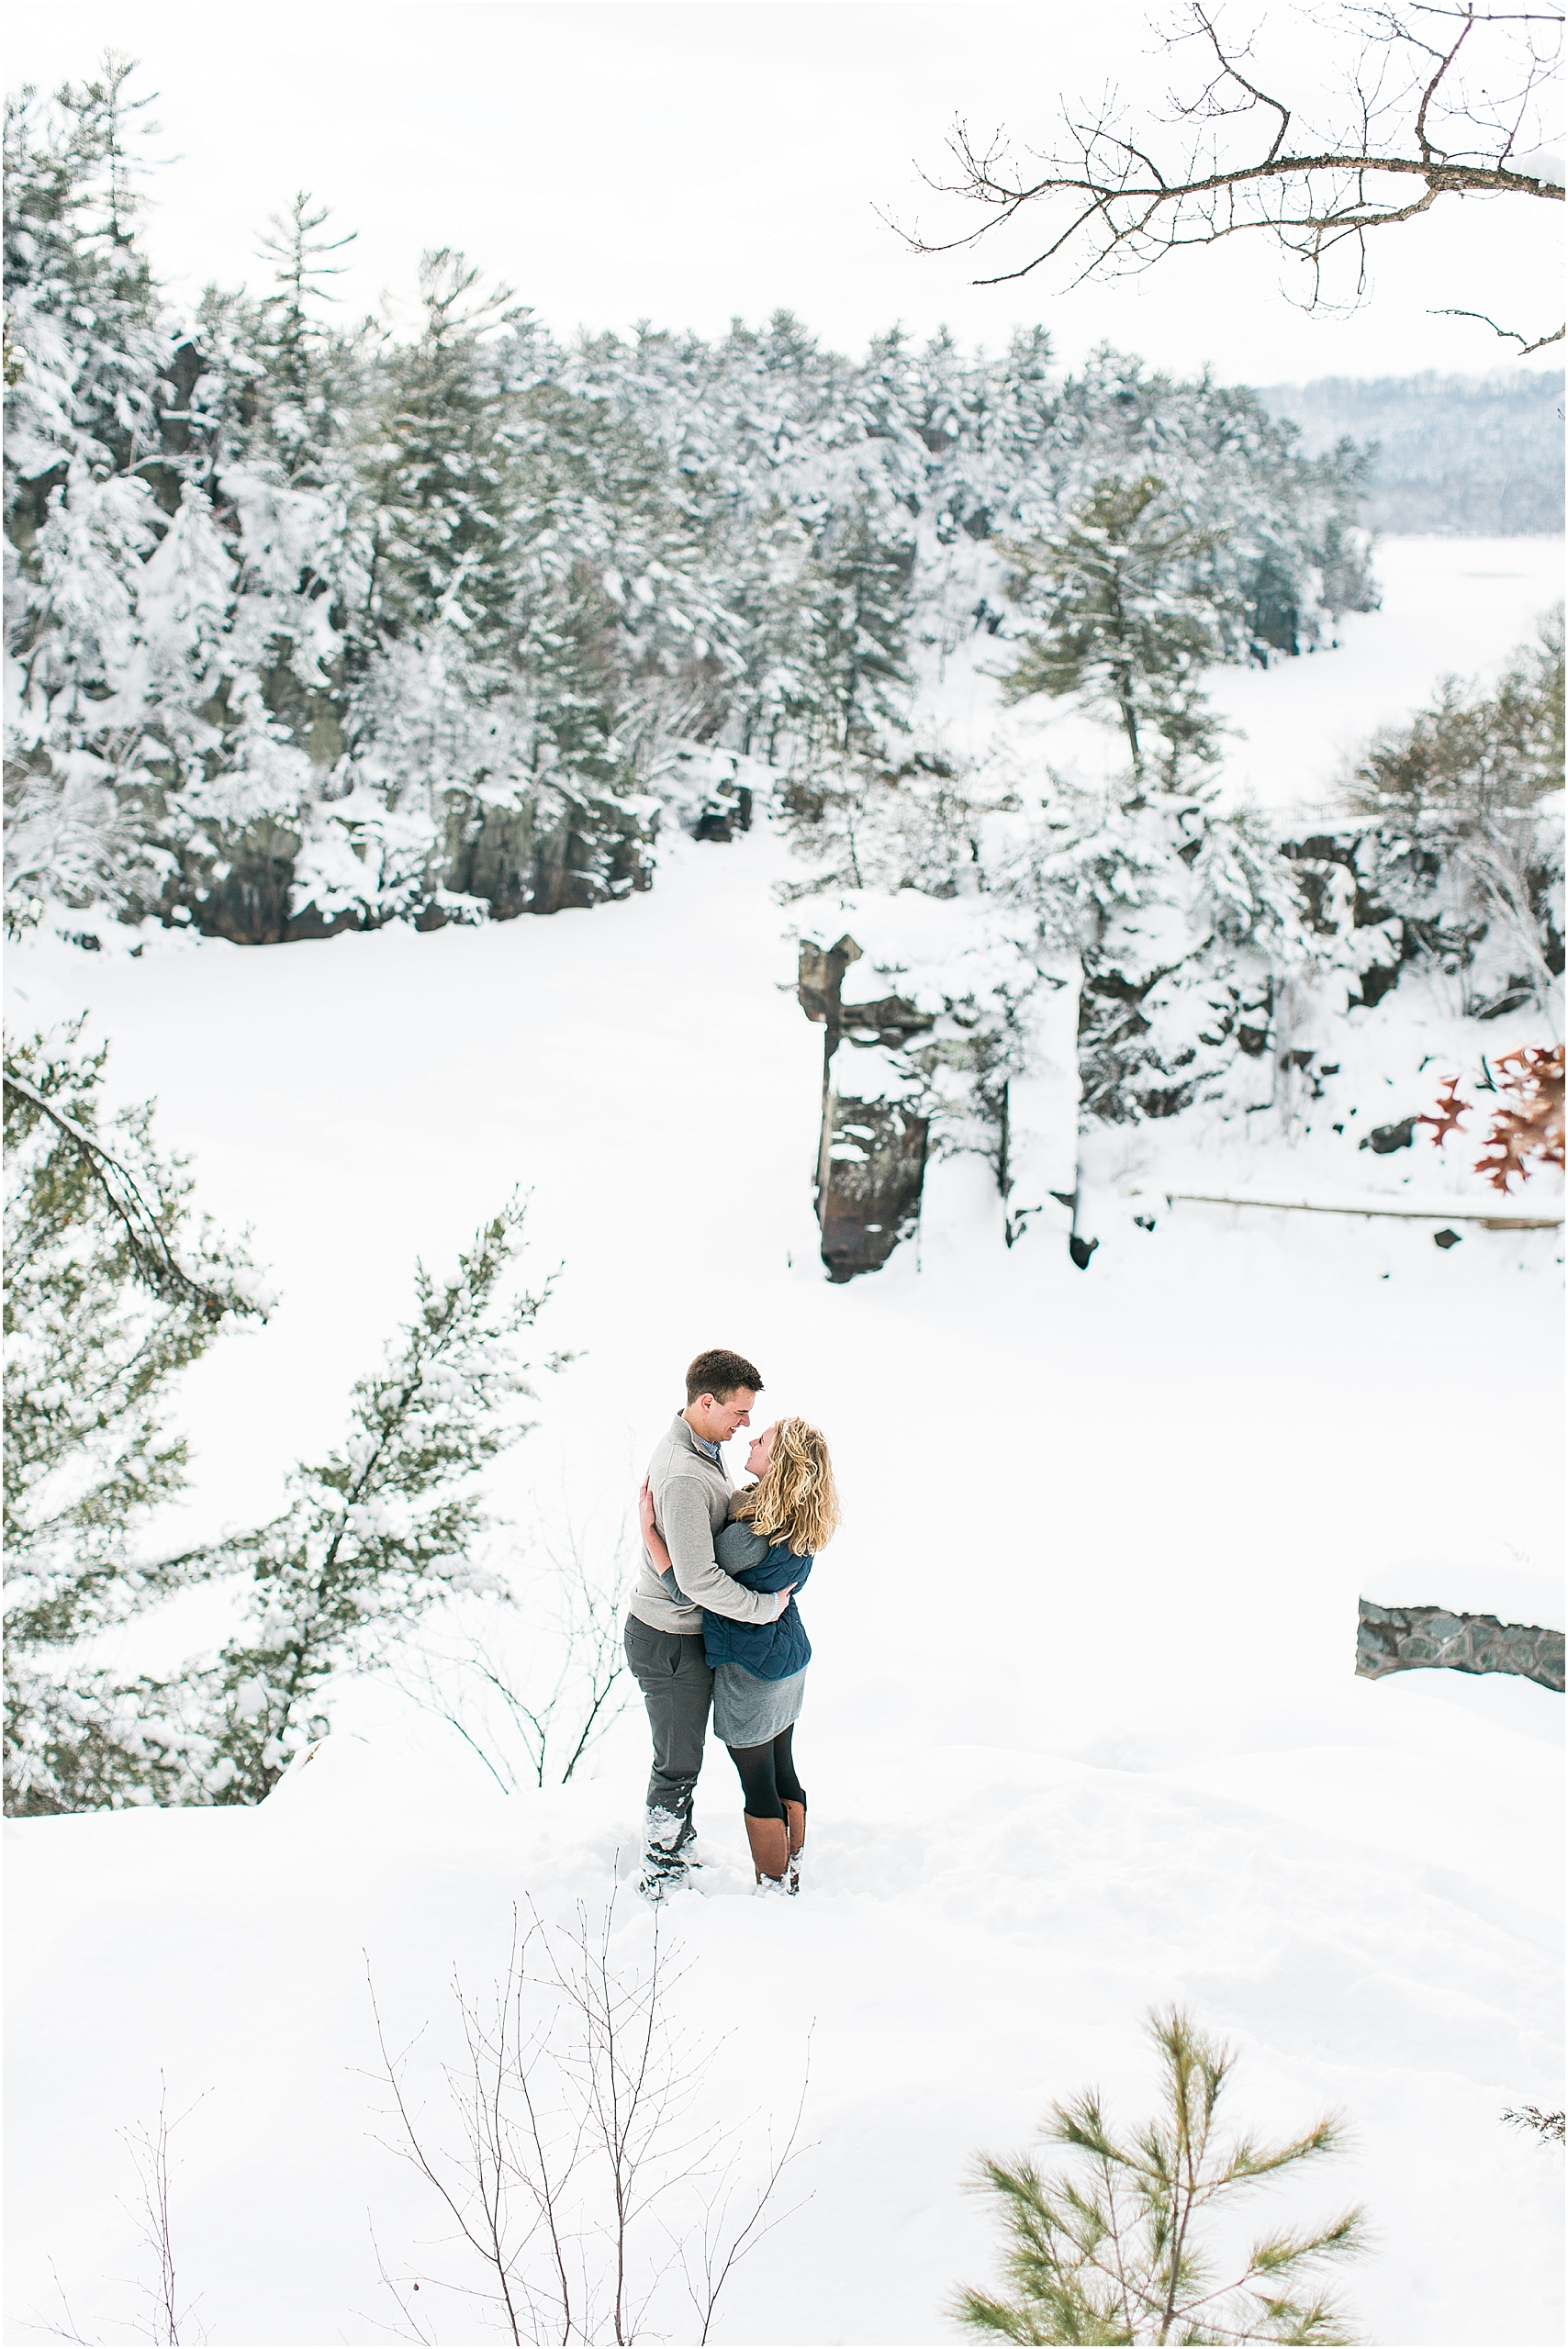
column 784, row 1599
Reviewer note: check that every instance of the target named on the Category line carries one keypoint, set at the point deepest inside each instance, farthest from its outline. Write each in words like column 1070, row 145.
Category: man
column 691, row 1492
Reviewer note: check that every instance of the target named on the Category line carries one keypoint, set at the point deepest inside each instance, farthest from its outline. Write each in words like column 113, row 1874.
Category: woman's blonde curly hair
column 795, row 1500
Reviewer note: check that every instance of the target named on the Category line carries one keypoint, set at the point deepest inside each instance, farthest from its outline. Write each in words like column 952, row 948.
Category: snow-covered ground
column 1082, row 1733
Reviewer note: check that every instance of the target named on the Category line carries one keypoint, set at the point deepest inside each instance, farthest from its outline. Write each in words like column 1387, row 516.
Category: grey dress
column 746, row 1710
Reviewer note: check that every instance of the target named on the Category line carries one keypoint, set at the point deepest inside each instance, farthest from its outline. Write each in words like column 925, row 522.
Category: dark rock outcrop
column 1425, row 1638
column 540, row 853
column 876, row 1172
column 870, row 1154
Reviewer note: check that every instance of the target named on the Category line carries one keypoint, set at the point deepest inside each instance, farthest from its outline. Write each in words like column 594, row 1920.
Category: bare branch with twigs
column 722, row 2249
column 1433, row 102
column 148, row 2149
column 534, row 1724
column 580, row 2148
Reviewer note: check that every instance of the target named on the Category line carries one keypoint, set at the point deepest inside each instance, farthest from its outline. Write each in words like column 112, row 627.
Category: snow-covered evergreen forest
column 318, row 625
column 1045, row 764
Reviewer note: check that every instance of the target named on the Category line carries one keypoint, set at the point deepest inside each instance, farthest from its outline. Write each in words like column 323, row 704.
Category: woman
column 777, row 1525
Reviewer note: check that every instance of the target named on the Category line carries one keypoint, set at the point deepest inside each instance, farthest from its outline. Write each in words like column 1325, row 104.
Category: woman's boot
column 795, row 1823
column 769, row 1840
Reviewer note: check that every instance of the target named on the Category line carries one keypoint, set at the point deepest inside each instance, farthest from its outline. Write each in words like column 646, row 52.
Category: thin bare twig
column 534, row 1726
column 148, row 2150
column 720, row 2260
column 1507, row 333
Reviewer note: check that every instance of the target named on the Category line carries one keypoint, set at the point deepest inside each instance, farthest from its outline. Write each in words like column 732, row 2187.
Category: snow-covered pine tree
column 167, row 589
column 436, row 724
column 864, row 656
column 73, row 834
column 1185, row 918
column 777, row 599
column 280, row 387
column 376, row 1534
column 1126, row 622
column 84, row 355
column 629, row 650
column 113, row 1284
column 325, row 629
column 84, row 350
column 1284, row 558
column 305, row 381
column 766, row 426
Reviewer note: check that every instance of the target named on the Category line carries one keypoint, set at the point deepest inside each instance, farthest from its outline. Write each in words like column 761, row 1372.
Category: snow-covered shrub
column 1186, row 922
column 1462, row 843
column 1120, row 2247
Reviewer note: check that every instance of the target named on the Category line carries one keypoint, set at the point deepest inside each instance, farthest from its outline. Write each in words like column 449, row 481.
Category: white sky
column 689, row 160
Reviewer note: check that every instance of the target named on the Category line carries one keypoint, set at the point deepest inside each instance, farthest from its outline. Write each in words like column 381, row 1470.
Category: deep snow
column 1081, row 1735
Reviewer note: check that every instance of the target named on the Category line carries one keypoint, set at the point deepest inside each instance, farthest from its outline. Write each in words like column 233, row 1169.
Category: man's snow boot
column 667, row 1857
column 662, row 1874
column 769, row 1840
column 795, row 1821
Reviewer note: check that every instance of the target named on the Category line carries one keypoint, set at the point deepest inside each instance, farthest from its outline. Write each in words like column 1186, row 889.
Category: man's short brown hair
column 719, row 1373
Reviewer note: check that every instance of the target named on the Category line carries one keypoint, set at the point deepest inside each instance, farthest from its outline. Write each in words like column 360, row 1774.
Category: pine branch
column 157, row 1265
column 1085, row 2268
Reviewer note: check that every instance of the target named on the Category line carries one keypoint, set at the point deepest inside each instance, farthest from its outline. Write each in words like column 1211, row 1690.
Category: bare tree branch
column 723, row 2248
column 1433, row 102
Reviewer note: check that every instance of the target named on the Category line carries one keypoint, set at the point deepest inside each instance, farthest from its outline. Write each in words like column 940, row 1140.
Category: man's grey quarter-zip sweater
column 691, row 1504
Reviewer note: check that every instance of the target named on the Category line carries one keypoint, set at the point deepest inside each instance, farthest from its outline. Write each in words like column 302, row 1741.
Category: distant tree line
column 1465, row 456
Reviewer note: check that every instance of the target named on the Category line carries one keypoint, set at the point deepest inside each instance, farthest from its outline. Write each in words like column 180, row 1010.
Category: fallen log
column 1490, row 1218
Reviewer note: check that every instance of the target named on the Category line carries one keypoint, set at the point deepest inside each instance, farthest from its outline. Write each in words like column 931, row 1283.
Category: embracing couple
column 713, row 1623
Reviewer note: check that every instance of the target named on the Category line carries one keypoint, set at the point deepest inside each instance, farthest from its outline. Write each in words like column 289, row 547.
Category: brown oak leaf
column 1527, row 1133
column 1449, row 1111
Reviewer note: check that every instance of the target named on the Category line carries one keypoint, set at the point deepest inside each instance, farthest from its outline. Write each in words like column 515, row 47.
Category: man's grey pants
column 677, row 1688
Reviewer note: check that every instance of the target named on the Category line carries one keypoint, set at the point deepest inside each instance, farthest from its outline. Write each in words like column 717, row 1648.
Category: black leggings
column 768, row 1775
